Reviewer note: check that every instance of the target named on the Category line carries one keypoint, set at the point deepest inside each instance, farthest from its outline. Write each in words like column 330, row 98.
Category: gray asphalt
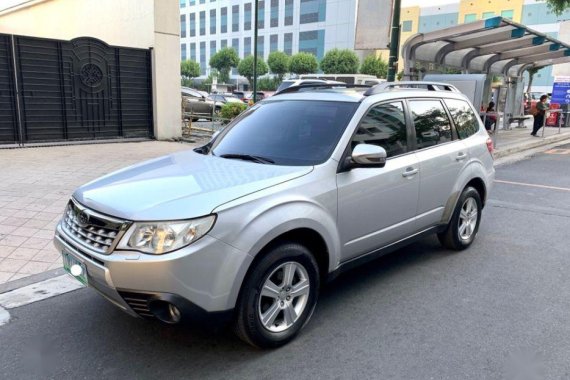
column 492, row 312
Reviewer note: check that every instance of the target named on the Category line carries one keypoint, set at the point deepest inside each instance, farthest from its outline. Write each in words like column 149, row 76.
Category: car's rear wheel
column 464, row 224
column 278, row 297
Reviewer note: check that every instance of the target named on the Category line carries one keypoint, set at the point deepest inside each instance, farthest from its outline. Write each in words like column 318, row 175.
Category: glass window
column 183, row 52
column 508, row 14
column 193, row 51
column 261, row 46
column 487, row 15
column 182, row 26
column 313, row 42
column 246, row 46
column 274, row 21
column 212, row 21
column 288, row 43
column 212, row 48
column 287, row 132
column 224, row 24
column 235, row 18
column 384, row 125
column 203, row 23
column 431, row 123
column 182, row 3
column 203, row 58
column 192, row 24
column 288, row 12
column 470, row 17
column 223, row 44
column 261, row 14
column 312, row 11
column 247, row 17
column 273, row 43
column 465, row 120
column 407, row 26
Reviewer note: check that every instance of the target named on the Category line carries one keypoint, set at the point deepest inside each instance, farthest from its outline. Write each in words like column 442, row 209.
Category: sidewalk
column 37, row 183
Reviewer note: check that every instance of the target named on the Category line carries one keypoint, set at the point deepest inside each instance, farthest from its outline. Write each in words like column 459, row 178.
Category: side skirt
column 377, row 253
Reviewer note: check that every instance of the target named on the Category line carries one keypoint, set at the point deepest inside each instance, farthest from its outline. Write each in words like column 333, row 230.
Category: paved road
column 421, row 313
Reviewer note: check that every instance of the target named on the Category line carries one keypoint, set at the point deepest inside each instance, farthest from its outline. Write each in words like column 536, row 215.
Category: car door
column 441, row 157
column 377, row 206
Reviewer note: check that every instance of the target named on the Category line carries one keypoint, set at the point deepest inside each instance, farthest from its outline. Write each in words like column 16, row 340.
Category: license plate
column 74, row 267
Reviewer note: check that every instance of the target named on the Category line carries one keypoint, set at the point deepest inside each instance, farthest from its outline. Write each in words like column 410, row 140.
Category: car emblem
column 83, row 219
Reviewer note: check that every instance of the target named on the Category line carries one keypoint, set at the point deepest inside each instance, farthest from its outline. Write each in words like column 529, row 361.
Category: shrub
column 231, row 110
column 340, row 61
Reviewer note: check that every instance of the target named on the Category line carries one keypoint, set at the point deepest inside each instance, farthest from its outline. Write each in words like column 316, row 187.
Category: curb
column 4, row 316
column 535, row 144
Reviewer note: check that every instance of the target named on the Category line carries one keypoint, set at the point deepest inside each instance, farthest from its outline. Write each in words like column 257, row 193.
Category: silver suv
column 300, row 187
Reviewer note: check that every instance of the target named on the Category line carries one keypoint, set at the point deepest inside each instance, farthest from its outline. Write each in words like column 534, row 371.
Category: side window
column 463, row 117
column 431, row 122
column 384, row 125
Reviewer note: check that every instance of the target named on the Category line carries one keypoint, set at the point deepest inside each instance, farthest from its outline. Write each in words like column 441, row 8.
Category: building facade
column 292, row 26
column 532, row 13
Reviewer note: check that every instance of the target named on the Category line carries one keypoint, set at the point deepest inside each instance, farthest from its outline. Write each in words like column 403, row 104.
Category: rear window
column 285, row 84
column 465, row 120
column 289, row 132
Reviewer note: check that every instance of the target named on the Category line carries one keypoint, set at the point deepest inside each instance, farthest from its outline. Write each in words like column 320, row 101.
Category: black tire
column 451, row 237
column 248, row 325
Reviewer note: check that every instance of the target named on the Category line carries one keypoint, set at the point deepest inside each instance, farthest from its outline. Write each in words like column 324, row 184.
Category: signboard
column 373, row 24
column 561, row 91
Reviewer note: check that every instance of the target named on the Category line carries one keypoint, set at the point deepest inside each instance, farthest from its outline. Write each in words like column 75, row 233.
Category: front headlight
column 163, row 237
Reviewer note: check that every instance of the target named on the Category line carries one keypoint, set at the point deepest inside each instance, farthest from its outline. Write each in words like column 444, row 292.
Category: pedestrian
column 539, row 114
column 490, row 120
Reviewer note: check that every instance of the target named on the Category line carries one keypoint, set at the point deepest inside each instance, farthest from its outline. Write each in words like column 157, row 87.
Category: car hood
column 180, row 186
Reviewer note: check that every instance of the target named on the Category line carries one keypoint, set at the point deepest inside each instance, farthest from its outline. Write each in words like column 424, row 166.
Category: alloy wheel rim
column 284, row 296
column 468, row 219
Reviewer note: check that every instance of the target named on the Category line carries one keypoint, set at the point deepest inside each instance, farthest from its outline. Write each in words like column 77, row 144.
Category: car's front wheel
column 278, row 297
column 464, row 223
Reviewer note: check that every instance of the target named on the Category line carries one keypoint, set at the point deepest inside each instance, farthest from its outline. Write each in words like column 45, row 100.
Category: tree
column 245, row 68
column 278, row 63
column 531, row 73
column 189, row 69
column 223, row 61
column 372, row 65
column 558, row 6
column 303, row 63
column 340, row 61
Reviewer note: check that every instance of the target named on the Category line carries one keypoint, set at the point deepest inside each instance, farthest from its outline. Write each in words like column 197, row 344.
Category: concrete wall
column 132, row 23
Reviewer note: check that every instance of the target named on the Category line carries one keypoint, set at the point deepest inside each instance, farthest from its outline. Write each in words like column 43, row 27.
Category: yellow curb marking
column 534, row 185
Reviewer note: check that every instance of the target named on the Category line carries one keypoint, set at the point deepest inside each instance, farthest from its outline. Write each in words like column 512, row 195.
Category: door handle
column 461, row 156
column 410, row 172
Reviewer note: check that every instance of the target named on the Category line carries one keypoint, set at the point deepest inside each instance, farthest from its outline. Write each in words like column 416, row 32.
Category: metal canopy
column 493, row 46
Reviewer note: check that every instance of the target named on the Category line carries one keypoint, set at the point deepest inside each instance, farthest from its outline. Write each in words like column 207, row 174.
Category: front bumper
column 206, row 275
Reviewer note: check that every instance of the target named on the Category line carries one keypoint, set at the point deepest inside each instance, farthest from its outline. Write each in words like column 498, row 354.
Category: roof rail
column 318, row 86
column 429, row 86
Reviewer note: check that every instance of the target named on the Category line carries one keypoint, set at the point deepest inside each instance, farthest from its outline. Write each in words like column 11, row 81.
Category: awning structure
column 493, row 46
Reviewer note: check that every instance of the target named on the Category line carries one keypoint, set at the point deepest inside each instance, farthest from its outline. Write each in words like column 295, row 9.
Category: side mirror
column 367, row 155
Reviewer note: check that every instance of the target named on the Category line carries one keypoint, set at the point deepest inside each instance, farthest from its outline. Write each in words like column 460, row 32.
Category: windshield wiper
column 249, row 157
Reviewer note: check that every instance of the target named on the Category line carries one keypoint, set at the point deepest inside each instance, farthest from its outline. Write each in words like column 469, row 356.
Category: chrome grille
column 91, row 229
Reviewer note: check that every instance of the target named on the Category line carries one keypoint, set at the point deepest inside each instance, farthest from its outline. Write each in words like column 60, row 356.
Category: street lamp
column 255, row 53
column 394, row 42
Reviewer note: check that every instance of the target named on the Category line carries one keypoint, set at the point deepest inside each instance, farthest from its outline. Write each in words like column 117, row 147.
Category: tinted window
column 464, row 118
column 288, row 132
column 431, row 122
column 384, row 125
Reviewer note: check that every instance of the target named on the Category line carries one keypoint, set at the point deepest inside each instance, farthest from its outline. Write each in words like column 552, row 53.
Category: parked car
column 223, row 99
column 297, row 189
column 364, row 79
column 199, row 105
column 242, row 95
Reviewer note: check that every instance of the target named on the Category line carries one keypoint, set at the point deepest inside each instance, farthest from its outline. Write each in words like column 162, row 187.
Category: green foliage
column 303, row 63
column 400, row 75
column 231, row 110
column 189, row 69
column 340, row 61
column 245, row 68
column 558, row 6
column 268, row 84
column 223, row 61
column 278, row 63
column 372, row 65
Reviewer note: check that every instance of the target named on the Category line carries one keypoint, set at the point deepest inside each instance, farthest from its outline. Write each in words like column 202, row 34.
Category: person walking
column 541, row 108
column 490, row 120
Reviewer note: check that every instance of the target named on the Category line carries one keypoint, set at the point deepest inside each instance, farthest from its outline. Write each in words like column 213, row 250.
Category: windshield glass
column 289, row 132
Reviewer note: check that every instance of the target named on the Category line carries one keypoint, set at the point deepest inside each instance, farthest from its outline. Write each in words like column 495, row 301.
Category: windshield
column 289, row 132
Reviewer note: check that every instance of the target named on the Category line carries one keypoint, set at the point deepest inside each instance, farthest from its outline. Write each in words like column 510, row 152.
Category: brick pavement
column 35, row 185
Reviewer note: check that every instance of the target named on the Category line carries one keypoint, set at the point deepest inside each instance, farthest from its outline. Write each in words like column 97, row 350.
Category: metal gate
column 82, row 89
